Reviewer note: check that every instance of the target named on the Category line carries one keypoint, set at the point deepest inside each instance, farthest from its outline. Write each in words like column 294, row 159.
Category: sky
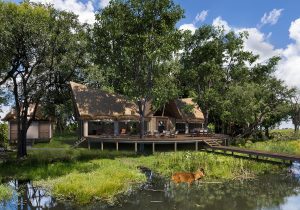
column 273, row 25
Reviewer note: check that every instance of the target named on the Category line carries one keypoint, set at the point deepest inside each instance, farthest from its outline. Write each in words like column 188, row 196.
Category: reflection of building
column 40, row 130
column 100, row 112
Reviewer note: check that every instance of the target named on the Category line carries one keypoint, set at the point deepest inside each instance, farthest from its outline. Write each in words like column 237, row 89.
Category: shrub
column 3, row 135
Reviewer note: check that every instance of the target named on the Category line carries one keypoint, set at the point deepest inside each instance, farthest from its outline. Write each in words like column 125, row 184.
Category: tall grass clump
column 279, row 146
column 5, row 192
column 216, row 166
column 108, row 179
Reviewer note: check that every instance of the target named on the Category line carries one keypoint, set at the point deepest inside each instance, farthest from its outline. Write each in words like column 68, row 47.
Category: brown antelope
column 188, row 177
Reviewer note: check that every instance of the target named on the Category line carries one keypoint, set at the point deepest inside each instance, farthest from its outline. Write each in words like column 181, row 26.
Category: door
column 44, row 129
column 13, row 131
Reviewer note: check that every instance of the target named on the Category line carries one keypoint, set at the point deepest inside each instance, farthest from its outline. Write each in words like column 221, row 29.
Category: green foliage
column 64, row 140
column 3, row 135
column 83, row 176
column 235, row 92
column 216, row 166
column 134, row 42
column 5, row 192
column 284, row 134
column 211, row 127
column 280, row 146
column 41, row 49
column 107, row 179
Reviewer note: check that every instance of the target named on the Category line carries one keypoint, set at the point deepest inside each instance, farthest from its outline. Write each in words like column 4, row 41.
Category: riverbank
column 84, row 176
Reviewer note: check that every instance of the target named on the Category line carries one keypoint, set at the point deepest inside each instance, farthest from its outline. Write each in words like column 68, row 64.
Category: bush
column 5, row 192
column 3, row 135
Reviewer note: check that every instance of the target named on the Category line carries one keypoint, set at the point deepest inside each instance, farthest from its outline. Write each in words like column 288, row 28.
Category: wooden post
column 135, row 146
column 117, row 146
column 196, row 145
column 102, row 146
column 89, row 145
column 153, row 147
column 175, row 146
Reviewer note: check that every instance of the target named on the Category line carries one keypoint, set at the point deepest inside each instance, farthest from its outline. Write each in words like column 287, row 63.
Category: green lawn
column 65, row 140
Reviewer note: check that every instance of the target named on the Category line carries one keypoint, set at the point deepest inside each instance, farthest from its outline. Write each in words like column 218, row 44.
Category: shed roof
column 11, row 115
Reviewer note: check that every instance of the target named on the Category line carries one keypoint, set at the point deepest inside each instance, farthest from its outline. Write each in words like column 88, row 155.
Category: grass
column 83, row 176
column 217, row 167
column 65, row 140
column 284, row 134
column 107, row 179
column 279, row 146
column 5, row 192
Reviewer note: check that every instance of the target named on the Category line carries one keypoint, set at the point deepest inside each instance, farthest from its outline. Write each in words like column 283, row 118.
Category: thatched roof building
column 92, row 104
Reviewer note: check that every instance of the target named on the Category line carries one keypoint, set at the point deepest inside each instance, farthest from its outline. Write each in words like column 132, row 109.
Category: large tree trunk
column 206, row 115
column 142, row 105
column 267, row 134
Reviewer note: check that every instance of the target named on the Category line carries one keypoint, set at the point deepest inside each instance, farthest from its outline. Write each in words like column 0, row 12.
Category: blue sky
column 246, row 14
column 273, row 25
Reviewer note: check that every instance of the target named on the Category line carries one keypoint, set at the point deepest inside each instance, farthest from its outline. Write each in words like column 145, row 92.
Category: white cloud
column 295, row 30
column 258, row 42
column 189, row 26
column 219, row 22
column 200, row 17
column 272, row 17
column 289, row 66
column 103, row 3
column 85, row 11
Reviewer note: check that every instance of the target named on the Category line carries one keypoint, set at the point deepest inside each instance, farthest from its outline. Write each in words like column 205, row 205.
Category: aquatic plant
column 5, row 192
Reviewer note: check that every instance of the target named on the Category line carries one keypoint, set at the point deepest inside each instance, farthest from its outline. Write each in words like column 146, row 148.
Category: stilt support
column 153, row 147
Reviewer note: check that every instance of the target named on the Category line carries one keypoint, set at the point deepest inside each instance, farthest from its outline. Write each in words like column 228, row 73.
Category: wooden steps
column 78, row 142
column 212, row 142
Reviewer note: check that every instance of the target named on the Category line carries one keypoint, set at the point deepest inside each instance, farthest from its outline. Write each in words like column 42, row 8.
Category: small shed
column 40, row 130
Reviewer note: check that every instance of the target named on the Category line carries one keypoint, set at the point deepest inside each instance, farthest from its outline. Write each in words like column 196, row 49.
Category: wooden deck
column 212, row 143
column 179, row 139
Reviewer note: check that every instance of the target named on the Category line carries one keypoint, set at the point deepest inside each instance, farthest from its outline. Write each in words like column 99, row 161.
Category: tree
column 211, row 61
column 41, row 49
column 295, row 110
column 235, row 92
column 132, row 40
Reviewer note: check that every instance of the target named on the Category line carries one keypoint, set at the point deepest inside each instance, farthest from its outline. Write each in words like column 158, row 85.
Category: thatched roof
column 11, row 115
column 92, row 104
column 191, row 115
column 182, row 109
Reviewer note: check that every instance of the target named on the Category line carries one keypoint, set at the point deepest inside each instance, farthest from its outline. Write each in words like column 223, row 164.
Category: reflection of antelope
column 188, row 177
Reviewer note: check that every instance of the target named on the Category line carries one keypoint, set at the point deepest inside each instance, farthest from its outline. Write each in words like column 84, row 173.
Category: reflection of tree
column 30, row 197
column 267, row 192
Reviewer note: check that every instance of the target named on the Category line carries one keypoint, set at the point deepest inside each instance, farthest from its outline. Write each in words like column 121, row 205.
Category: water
column 269, row 192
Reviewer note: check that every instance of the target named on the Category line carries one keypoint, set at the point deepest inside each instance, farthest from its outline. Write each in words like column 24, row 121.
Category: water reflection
column 269, row 192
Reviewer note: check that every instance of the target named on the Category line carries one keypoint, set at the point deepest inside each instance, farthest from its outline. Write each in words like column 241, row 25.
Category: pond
column 268, row 192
